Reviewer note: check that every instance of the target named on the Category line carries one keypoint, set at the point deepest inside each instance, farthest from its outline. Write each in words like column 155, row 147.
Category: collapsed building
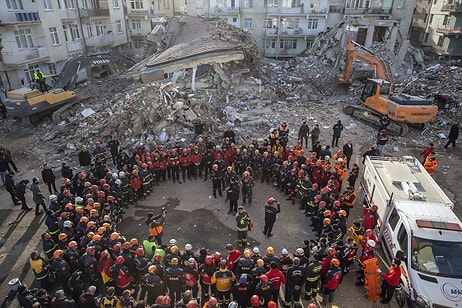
column 212, row 70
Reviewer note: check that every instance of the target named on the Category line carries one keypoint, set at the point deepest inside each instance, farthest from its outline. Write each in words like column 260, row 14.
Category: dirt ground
column 193, row 215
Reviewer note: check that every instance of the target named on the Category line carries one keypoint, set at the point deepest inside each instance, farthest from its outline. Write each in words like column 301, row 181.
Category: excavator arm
column 357, row 51
column 69, row 74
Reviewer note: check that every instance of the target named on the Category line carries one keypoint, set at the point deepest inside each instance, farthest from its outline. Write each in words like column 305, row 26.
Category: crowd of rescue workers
column 89, row 263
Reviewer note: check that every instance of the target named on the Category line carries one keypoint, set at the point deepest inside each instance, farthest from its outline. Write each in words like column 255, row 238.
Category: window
column 14, row 4
column 267, row 23
column 289, row 23
column 268, row 43
column 115, row 4
column 402, row 239
column 136, row 4
column 247, row 23
column 75, row 33
column 394, row 218
column 401, row 4
column 137, row 44
column 69, row 4
column 288, row 44
column 431, row 18
column 440, row 41
column 84, row 4
column 119, row 26
column 54, row 35
column 23, row 38
column 47, row 5
column 446, row 20
column 335, row 9
column 89, row 30
column 31, row 68
column 312, row 23
column 52, row 68
column 136, row 24
column 99, row 28
column 248, row 4
column 290, row 3
column 427, row 35
column 199, row 4
column 271, row 3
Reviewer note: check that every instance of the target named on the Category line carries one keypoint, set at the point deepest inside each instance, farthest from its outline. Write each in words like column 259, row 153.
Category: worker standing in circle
column 270, row 215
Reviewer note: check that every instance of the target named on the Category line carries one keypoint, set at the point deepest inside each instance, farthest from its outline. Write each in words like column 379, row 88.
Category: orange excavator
column 377, row 97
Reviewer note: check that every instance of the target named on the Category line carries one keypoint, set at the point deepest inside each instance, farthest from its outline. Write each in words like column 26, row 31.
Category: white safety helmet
column 53, row 197
column 172, row 242
column 256, row 249
column 300, row 252
column 284, row 252
column 327, row 157
column 371, row 243
column 340, row 160
column 187, row 247
column 67, row 224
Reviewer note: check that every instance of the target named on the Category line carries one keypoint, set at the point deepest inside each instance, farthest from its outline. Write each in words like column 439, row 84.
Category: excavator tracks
column 368, row 115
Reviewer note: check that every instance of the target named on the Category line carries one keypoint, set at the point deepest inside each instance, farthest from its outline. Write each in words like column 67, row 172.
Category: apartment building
column 282, row 28
column 439, row 30
column 45, row 34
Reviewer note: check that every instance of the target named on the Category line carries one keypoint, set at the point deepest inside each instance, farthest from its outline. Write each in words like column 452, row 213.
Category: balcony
column 300, row 32
column 286, row 10
column 88, row 13
column 68, row 14
column 136, row 32
column 138, row 12
column 377, row 11
column 224, row 10
column 100, row 41
column 451, row 7
column 449, row 31
column 74, row 46
column 19, row 17
column 30, row 55
column 317, row 11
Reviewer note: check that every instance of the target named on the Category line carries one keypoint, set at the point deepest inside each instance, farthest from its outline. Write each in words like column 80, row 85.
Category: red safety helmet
column 139, row 251
column 337, row 203
column 120, row 260
column 116, row 247
column 208, row 260
column 270, row 201
column 106, row 186
column 110, row 198
column 369, row 232
column 272, row 304
column 213, row 301
column 264, row 278
column 317, row 197
column 94, row 188
column 255, row 301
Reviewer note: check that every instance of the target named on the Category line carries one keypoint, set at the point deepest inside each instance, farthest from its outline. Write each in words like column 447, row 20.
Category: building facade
column 45, row 34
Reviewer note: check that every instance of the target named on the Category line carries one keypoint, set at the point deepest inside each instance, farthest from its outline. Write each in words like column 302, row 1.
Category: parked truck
column 416, row 224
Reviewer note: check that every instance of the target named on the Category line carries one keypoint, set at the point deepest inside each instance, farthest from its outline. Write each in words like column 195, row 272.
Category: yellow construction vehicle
column 377, row 97
column 32, row 104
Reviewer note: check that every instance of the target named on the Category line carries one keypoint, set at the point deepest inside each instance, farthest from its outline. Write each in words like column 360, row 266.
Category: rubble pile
column 249, row 95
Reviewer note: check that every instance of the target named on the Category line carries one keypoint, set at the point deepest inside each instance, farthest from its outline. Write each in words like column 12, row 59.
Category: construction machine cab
column 374, row 87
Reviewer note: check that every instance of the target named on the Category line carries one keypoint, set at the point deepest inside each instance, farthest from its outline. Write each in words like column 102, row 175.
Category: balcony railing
column 20, row 16
column 74, row 46
column 68, row 13
column 224, row 10
column 452, row 7
column 449, row 31
column 85, row 13
column 368, row 11
column 138, row 12
column 25, row 56
column 100, row 41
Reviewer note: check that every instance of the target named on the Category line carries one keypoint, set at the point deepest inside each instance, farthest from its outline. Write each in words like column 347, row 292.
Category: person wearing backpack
column 110, row 300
